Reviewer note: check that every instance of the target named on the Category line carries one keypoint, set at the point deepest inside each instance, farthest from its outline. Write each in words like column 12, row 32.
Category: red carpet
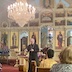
column 8, row 68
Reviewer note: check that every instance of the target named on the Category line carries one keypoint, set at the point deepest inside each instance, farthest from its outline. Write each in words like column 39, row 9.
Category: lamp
column 21, row 12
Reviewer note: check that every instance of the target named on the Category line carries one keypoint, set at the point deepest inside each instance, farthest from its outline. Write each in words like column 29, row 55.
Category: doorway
column 24, row 40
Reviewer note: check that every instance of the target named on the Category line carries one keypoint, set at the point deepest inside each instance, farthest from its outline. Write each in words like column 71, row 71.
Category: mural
column 46, row 3
column 46, row 17
column 50, row 37
column 14, row 39
column 60, row 14
column 46, row 37
column 59, row 22
column 43, row 37
column 4, row 38
column 24, row 40
column 59, row 39
column 34, row 23
column 69, row 37
column 69, row 13
column 34, row 34
column 69, row 22
column 60, row 5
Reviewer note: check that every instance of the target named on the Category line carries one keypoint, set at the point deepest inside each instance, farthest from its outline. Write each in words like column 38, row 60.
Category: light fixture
column 21, row 12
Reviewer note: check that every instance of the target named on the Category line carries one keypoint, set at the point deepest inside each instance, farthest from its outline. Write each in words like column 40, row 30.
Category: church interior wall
column 59, row 19
column 56, row 30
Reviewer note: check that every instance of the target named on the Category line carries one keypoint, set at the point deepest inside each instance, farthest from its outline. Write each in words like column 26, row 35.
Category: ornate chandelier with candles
column 21, row 12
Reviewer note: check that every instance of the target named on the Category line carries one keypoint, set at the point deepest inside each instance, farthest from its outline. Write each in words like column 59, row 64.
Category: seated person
column 65, row 64
column 47, row 63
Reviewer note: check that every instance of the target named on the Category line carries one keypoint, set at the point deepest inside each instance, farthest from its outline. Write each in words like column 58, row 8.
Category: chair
column 42, row 69
column 22, row 68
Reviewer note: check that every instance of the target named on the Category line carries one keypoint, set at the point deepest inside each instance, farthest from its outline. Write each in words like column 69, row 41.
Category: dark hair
column 50, row 53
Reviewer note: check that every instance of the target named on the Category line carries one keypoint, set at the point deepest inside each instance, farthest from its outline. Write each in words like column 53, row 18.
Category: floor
column 8, row 68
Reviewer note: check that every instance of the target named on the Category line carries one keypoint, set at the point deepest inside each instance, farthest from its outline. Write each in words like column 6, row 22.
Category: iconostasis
column 14, row 39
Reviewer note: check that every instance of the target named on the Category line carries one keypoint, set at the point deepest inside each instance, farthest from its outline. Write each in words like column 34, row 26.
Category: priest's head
column 32, row 41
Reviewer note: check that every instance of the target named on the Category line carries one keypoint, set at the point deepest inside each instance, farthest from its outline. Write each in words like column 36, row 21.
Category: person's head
column 50, row 53
column 66, row 55
column 32, row 41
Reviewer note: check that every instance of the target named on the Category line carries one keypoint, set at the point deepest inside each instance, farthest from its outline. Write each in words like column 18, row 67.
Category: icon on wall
column 14, row 39
column 59, row 22
column 4, row 38
column 59, row 39
column 34, row 34
column 46, row 17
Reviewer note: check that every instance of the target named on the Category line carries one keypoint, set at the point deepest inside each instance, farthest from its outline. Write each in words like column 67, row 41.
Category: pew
column 39, row 69
column 33, row 64
column 22, row 68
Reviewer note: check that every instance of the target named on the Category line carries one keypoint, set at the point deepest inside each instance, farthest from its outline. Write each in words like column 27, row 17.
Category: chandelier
column 21, row 12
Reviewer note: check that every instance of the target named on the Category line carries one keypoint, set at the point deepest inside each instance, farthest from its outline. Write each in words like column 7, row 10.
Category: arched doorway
column 24, row 40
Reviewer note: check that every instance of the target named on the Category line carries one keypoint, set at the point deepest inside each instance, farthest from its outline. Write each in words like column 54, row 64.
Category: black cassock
column 33, row 55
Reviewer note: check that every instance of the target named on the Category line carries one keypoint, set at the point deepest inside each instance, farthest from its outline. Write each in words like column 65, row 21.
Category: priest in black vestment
column 33, row 50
